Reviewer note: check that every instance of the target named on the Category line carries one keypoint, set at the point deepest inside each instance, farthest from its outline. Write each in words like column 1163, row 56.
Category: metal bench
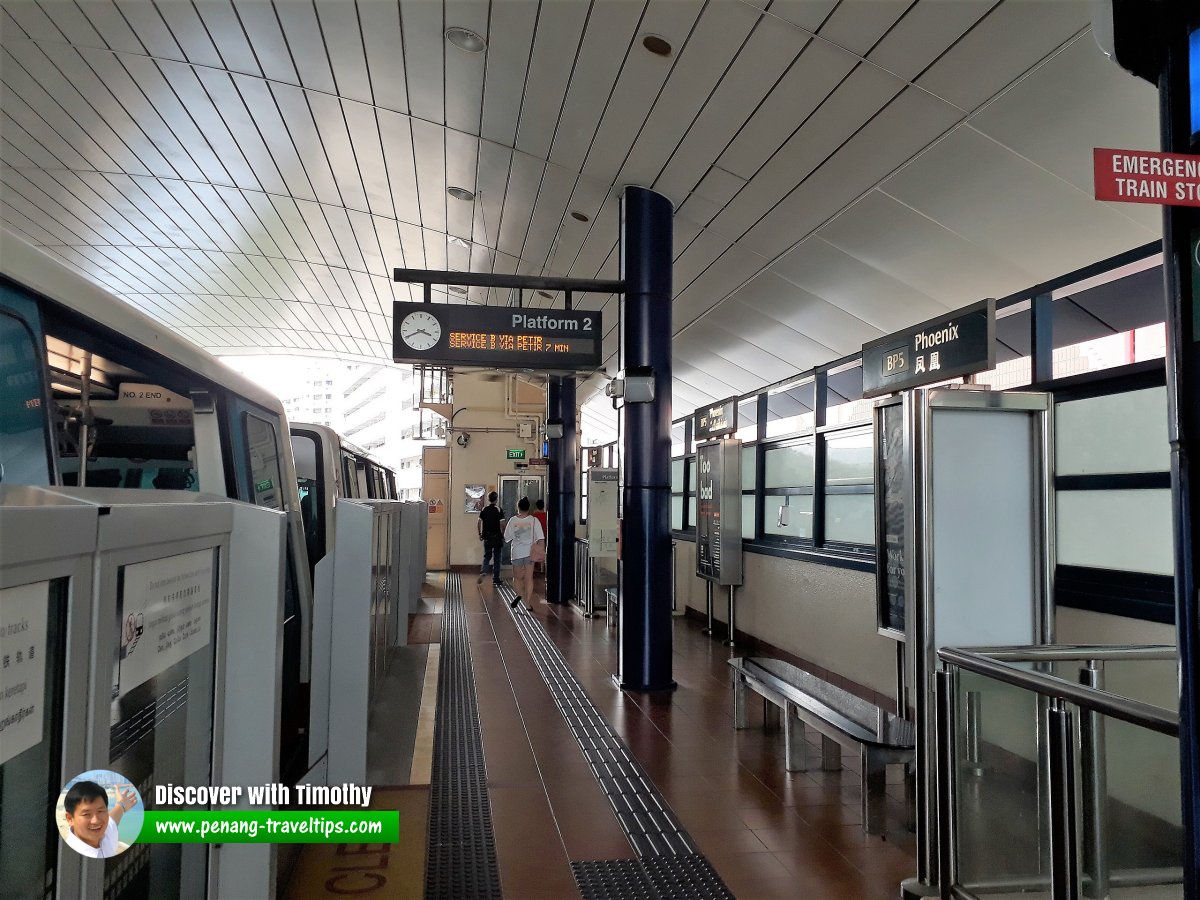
column 839, row 716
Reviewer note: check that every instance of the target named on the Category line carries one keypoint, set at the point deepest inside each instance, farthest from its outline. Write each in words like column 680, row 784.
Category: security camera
column 463, row 439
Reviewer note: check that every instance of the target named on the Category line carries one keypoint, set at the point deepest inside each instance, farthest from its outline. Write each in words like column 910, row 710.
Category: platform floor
column 766, row 832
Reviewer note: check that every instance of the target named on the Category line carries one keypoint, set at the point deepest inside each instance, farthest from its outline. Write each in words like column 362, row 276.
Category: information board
column 716, row 420
column 453, row 334
column 719, row 511
column 23, row 667
column 889, row 519
column 958, row 343
column 603, row 529
column 165, row 610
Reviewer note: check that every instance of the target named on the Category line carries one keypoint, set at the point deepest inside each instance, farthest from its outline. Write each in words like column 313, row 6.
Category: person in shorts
column 491, row 533
column 524, row 531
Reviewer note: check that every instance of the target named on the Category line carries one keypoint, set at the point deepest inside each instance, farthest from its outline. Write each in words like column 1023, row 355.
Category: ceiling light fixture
column 578, row 216
column 545, row 294
column 465, row 39
column 457, row 289
column 459, row 242
column 659, row 46
column 460, row 193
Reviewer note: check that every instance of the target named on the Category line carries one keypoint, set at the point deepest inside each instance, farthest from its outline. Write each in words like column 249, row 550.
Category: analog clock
column 420, row 330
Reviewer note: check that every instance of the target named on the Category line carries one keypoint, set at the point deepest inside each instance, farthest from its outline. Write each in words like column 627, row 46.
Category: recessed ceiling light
column 545, row 294
column 659, row 46
column 457, row 289
column 578, row 216
column 460, row 193
column 465, row 39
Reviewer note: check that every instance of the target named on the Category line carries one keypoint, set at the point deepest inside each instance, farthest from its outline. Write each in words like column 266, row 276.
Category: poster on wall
column 719, row 511
column 165, row 610
column 603, row 533
column 22, row 667
column 889, row 520
column 474, row 498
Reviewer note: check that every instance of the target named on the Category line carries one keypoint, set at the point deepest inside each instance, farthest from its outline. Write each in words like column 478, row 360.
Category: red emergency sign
column 1142, row 176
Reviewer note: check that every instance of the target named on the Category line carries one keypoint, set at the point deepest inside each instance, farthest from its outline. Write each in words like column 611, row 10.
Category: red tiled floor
column 767, row 832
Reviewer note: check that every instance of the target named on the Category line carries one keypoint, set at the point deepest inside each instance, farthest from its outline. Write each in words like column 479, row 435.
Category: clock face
column 420, row 330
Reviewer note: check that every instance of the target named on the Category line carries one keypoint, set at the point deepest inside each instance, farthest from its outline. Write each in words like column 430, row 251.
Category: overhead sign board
column 1143, row 176
column 716, row 420
column 449, row 334
column 958, row 343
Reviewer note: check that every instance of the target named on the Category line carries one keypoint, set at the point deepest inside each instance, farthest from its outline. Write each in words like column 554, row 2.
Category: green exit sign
column 516, row 453
column 263, row 486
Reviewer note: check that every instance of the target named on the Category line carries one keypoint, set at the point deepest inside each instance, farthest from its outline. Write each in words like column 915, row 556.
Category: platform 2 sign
column 1143, row 176
column 447, row 334
column 958, row 343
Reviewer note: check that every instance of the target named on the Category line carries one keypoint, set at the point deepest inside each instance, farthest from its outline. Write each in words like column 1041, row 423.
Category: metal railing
column 585, row 577
column 1026, row 741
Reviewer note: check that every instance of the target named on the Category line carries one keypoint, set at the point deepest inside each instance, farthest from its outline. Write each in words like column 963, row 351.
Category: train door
column 262, row 476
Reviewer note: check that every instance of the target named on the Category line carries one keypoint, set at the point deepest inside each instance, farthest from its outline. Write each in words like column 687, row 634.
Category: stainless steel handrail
column 1084, row 652
column 1145, row 715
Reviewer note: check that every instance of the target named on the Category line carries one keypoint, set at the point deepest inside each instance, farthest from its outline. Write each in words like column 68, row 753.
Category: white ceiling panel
column 1029, row 216
column 251, row 171
column 1028, row 31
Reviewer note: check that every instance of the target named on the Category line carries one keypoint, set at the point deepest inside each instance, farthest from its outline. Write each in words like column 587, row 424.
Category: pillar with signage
column 718, row 503
column 963, row 560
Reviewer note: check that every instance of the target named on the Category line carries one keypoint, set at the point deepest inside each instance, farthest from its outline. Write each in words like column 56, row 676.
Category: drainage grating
column 671, row 865
column 462, row 847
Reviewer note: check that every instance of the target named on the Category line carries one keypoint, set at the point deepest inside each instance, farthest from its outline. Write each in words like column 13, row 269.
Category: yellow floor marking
column 422, row 762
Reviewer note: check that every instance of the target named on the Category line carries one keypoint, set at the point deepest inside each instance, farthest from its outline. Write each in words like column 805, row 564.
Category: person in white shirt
column 93, row 829
column 524, row 531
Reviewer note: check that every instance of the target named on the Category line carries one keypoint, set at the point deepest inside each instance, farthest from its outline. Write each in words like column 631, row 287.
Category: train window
column 266, row 478
column 307, row 451
column 24, row 440
column 349, row 476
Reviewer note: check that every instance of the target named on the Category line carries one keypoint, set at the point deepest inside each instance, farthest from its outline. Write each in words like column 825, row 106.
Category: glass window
column 788, row 515
column 24, row 438
column 747, row 419
column 1011, row 374
column 749, row 508
column 266, row 479
column 677, row 476
column 850, row 459
column 850, row 518
column 789, row 467
column 1128, row 530
column 678, row 434
column 790, row 409
column 845, row 403
column 677, row 512
column 749, row 467
column 1114, row 433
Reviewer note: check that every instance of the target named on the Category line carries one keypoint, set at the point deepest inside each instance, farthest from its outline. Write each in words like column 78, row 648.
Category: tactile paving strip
column 462, row 847
column 670, row 865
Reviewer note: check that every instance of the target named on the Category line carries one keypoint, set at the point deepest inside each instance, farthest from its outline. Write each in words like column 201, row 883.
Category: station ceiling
column 250, row 172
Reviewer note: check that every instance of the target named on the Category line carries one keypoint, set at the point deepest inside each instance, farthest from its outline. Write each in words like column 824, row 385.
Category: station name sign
column 1143, row 176
column 715, row 421
column 958, row 343
column 451, row 334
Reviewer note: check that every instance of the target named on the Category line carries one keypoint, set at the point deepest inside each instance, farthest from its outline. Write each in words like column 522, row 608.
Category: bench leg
column 831, row 754
column 770, row 715
column 739, row 701
column 794, row 753
column 874, row 792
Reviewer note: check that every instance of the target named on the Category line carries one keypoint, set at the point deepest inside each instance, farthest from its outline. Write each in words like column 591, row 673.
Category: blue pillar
column 564, row 454
column 645, row 609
